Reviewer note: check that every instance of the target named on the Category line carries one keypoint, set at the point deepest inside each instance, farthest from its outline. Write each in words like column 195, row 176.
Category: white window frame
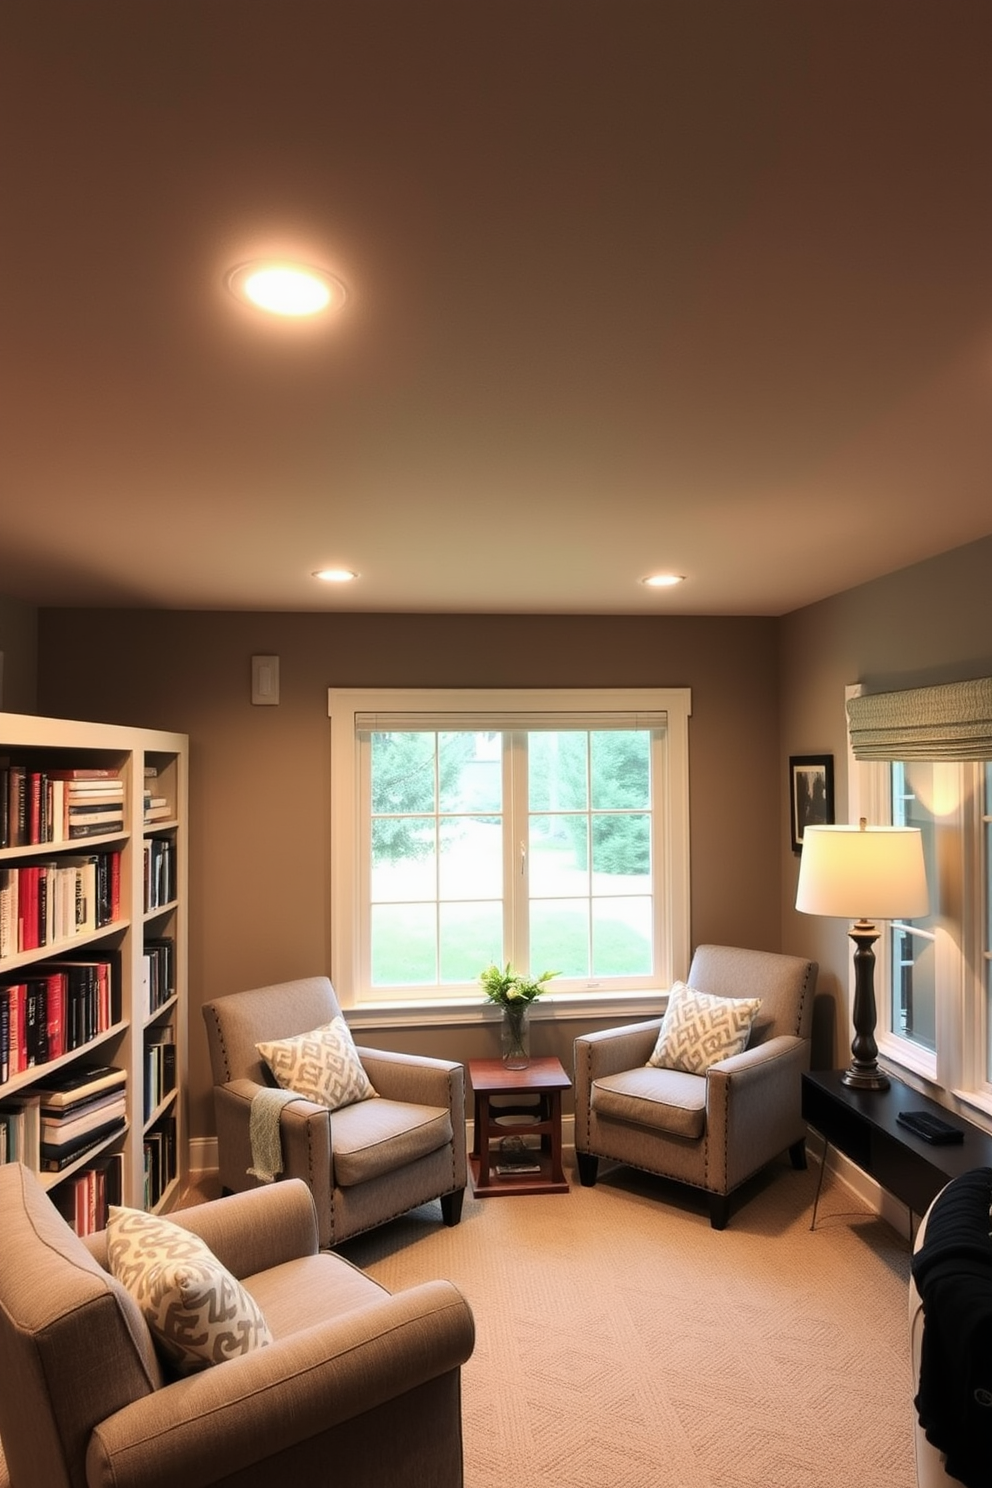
column 958, row 909
column 670, row 799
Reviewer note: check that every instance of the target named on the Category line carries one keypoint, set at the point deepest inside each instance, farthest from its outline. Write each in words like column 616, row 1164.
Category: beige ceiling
column 634, row 284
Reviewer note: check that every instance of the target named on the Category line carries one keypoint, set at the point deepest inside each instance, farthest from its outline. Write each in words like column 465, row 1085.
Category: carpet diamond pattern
column 623, row 1343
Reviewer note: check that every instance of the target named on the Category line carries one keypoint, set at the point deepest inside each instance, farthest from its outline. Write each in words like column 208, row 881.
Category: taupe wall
column 259, row 834
column 19, row 645
column 926, row 624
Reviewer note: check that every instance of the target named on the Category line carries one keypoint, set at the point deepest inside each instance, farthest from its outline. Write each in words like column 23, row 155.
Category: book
column 85, row 772
column 69, row 1126
column 22, row 1116
column 67, row 1088
column 55, row 1158
column 79, row 829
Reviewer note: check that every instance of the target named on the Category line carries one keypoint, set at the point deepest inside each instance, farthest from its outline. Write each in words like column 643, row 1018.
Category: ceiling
column 699, row 285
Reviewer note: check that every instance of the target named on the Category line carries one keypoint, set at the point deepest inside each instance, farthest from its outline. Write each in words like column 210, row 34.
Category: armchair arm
column 415, row 1078
column 305, row 1131
column 755, row 1098
column 611, row 1050
column 215, row 1424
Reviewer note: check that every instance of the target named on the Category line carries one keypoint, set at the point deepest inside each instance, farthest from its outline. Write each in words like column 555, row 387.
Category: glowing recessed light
column 336, row 575
column 662, row 580
column 286, row 288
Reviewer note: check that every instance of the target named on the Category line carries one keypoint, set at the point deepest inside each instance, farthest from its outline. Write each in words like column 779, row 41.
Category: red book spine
column 56, row 1014
column 27, row 907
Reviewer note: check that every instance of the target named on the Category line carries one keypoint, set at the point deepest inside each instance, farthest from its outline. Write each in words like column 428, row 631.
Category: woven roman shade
column 952, row 721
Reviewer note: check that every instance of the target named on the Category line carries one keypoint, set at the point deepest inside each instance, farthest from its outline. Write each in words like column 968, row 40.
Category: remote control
column 930, row 1128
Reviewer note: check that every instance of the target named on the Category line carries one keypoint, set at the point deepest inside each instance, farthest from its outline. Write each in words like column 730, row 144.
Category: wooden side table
column 544, row 1078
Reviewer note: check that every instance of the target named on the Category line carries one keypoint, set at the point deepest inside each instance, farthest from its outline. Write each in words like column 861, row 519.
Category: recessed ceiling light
column 286, row 288
column 335, row 575
column 662, row 580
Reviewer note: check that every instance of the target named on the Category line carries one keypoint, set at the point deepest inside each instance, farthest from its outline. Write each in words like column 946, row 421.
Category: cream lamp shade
column 863, row 873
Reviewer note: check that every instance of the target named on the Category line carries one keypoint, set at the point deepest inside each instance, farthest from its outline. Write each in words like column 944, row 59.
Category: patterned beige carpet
column 622, row 1343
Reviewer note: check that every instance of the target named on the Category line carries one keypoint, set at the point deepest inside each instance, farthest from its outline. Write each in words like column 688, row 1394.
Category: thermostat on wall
column 265, row 680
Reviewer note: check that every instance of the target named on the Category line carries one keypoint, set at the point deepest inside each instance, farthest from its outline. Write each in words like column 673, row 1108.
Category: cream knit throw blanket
column 263, row 1132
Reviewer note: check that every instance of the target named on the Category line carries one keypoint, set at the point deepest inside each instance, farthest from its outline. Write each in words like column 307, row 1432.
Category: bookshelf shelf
column 138, row 954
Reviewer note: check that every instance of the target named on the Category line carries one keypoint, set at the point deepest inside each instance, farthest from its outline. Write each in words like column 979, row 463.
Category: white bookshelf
column 156, row 1117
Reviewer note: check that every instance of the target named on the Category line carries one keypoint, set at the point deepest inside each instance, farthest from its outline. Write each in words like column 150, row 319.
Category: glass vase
column 515, row 1037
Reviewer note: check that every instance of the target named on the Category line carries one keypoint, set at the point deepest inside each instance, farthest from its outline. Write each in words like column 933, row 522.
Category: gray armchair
column 365, row 1163
column 713, row 1130
column 357, row 1386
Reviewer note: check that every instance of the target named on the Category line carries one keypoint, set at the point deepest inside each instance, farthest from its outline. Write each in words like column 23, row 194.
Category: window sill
column 437, row 1013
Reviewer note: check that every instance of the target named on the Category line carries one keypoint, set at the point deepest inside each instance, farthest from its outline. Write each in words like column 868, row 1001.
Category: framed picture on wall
column 811, row 792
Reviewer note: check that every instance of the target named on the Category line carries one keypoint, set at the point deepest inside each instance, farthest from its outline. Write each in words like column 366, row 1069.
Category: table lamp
column 864, row 874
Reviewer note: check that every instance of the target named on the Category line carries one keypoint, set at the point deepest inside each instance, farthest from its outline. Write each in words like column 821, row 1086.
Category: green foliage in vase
column 504, row 986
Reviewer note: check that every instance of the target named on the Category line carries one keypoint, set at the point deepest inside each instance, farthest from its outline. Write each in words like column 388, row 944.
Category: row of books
column 158, row 973
column 63, row 1117
column 160, row 1069
column 85, row 1197
column 42, row 904
column 159, row 1155
column 39, row 806
column 159, row 872
column 56, row 1008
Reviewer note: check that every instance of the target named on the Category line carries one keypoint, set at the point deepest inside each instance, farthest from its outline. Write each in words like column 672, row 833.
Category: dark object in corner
column 953, row 1274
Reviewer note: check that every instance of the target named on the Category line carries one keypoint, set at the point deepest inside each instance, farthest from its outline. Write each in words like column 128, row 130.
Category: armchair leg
column 588, row 1166
column 719, row 1210
column 451, row 1207
column 797, row 1152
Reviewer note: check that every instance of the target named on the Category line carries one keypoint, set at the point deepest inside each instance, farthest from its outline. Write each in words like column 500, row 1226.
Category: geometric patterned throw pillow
column 699, row 1030
column 323, row 1065
column 197, row 1312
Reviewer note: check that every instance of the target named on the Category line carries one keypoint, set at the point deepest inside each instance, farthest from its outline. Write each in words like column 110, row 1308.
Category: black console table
column 862, row 1125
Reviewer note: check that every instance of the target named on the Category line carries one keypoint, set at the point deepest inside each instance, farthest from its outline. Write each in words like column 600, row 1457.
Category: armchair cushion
column 322, row 1064
column 386, row 1137
column 699, row 1029
column 198, row 1313
column 663, row 1099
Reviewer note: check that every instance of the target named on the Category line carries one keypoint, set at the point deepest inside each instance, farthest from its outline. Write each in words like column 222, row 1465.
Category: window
column 547, row 829
column 934, row 977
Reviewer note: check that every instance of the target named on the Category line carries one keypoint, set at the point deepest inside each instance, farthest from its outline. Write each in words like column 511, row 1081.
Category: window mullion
column 516, row 868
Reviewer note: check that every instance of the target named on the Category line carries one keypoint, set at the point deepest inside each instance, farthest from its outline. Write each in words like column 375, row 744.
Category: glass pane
column 559, row 936
column 404, row 945
column 470, row 771
column 558, row 771
column 621, row 937
column 471, row 857
column 402, row 772
column 913, row 992
column 621, row 853
column 559, row 855
column 621, row 774
column 471, row 938
column 403, row 858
